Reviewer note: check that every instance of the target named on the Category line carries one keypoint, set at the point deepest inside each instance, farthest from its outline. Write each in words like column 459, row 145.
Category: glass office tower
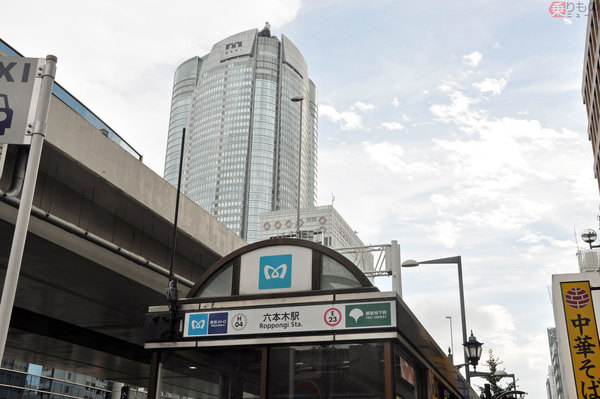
column 246, row 143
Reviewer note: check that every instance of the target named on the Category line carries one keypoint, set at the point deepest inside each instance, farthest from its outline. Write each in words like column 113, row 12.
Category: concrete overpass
column 97, row 251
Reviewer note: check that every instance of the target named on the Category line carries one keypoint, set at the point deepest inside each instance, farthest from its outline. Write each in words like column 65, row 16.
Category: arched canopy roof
column 279, row 267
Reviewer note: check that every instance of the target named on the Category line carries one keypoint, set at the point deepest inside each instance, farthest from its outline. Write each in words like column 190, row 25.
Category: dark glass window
column 231, row 374
column 341, row 371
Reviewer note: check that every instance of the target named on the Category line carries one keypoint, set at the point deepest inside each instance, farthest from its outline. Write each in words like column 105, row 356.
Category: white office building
column 322, row 224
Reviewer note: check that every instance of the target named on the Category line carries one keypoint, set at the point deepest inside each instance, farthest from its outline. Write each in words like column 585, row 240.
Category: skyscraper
column 243, row 148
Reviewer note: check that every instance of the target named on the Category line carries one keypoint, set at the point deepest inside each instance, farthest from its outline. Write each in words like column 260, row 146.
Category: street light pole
column 458, row 261
column 300, row 100
column 451, row 339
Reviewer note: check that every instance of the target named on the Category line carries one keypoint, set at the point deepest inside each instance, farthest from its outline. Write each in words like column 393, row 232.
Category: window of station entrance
column 407, row 376
column 219, row 284
column 336, row 276
column 326, row 371
column 211, row 374
column 342, row 371
column 332, row 275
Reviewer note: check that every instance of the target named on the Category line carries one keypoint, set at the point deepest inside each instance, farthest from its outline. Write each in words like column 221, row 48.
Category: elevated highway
column 97, row 252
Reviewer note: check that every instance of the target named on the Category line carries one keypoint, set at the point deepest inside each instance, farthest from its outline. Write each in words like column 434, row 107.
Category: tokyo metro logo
column 275, row 272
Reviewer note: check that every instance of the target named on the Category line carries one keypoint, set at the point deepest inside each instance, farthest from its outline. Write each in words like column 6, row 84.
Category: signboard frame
column 294, row 319
column 20, row 87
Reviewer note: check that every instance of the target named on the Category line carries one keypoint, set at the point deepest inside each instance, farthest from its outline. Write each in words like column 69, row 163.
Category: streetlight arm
column 452, row 259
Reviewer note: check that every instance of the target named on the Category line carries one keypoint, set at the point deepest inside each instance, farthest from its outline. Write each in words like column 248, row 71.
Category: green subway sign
column 369, row 315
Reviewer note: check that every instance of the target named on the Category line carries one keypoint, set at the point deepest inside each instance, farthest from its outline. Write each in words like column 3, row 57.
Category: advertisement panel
column 290, row 319
column 582, row 332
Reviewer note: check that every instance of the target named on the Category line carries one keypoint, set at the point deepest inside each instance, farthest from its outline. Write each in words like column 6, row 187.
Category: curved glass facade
column 184, row 83
column 243, row 131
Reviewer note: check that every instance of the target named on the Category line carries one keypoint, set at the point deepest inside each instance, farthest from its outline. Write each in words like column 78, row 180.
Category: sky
column 455, row 128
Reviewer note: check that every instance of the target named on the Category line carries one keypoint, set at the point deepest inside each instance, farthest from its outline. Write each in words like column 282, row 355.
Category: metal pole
column 172, row 291
column 395, row 268
column 461, row 291
column 18, row 244
column 299, row 173
column 463, row 316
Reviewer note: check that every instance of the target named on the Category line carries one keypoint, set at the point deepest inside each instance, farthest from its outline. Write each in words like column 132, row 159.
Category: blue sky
column 456, row 128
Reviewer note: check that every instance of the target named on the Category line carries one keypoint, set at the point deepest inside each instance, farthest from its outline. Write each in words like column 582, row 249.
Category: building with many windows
column 247, row 144
column 321, row 224
column 590, row 86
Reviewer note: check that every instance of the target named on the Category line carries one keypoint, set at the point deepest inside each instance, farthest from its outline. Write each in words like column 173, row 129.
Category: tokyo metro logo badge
column 275, row 272
column 198, row 324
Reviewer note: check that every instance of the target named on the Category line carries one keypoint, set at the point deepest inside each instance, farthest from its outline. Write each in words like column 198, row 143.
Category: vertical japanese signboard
column 582, row 331
column 20, row 83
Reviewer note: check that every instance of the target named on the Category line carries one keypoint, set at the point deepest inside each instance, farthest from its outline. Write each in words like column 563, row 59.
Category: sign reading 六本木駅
column 582, row 331
column 292, row 319
column 20, row 83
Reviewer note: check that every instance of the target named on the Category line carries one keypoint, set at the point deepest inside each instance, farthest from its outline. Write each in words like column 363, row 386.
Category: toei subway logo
column 275, row 272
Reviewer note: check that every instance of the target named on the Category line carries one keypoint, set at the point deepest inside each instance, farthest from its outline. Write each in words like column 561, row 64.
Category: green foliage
column 495, row 381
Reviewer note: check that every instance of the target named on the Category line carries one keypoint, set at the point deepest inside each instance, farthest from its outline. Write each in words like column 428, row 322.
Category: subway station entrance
column 290, row 318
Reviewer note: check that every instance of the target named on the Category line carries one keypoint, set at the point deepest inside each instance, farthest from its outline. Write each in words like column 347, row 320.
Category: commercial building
column 321, row 224
column 243, row 131
column 574, row 346
column 554, row 386
column 591, row 87
column 20, row 379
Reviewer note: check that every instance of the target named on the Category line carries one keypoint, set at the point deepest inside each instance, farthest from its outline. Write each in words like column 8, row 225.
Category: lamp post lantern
column 451, row 350
column 473, row 350
column 299, row 99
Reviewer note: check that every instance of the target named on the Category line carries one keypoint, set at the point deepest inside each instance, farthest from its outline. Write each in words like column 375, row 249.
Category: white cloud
column 472, row 59
column 490, row 85
column 360, row 106
column 445, row 232
column 405, row 118
column 395, row 102
column 346, row 119
column 391, row 125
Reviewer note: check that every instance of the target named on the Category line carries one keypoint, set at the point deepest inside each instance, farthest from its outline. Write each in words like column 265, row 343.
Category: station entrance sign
column 20, row 83
column 300, row 318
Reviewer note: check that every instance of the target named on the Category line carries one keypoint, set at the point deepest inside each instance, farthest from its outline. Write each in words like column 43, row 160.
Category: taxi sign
column 20, row 83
